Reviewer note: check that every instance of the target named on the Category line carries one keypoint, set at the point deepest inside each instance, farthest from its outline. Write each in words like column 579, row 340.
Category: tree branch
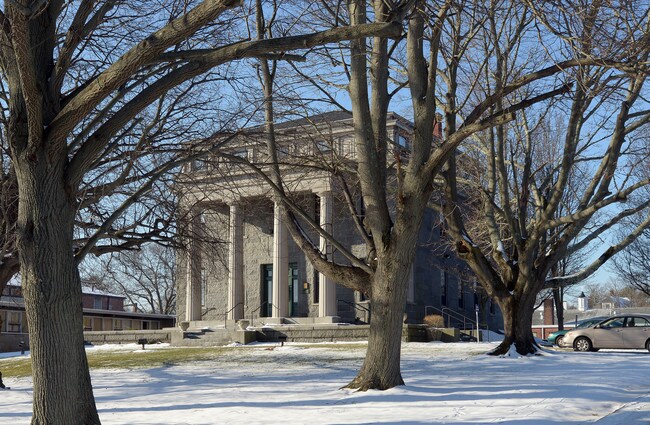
column 141, row 54
column 602, row 259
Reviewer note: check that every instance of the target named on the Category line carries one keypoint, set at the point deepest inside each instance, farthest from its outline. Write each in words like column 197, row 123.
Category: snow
column 445, row 383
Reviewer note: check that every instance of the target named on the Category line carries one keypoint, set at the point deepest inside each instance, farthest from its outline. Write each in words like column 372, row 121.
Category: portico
column 253, row 287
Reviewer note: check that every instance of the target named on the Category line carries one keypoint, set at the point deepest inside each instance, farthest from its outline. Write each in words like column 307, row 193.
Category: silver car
column 623, row 331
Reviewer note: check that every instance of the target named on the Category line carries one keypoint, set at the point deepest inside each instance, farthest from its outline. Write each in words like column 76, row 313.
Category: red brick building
column 102, row 311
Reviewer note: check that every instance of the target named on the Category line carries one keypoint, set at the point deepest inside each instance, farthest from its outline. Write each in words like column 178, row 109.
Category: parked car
column 631, row 331
column 557, row 336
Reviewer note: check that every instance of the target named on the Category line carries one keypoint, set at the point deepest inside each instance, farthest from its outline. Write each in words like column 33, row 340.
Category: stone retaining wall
column 330, row 333
column 127, row 337
column 13, row 342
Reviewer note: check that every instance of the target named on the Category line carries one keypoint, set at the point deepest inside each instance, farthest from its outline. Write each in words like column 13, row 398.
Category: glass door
column 267, row 291
column 293, row 289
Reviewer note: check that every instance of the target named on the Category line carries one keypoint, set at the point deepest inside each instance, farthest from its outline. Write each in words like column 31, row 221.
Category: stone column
column 327, row 299
column 280, row 266
column 193, row 269
column 236, row 265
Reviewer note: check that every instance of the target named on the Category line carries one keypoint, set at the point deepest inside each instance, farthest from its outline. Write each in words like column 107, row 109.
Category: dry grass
column 167, row 356
column 124, row 359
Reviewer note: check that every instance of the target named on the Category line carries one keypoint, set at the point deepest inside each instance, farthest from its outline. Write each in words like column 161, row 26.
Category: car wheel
column 582, row 344
column 647, row 345
column 558, row 341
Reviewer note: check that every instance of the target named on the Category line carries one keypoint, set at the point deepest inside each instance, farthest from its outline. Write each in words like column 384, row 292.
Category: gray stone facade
column 437, row 285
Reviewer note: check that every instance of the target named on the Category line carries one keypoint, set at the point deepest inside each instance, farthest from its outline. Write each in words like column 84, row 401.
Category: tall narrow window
column 410, row 295
column 461, row 294
column 266, row 307
column 443, row 288
column 293, row 289
column 14, row 321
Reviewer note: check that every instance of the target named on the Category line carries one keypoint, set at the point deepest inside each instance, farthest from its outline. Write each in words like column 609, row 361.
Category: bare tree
column 443, row 70
column 633, row 264
column 146, row 277
column 75, row 76
column 522, row 191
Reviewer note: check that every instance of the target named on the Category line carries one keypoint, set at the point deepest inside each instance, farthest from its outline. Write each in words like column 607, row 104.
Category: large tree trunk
column 52, row 290
column 517, row 324
column 381, row 367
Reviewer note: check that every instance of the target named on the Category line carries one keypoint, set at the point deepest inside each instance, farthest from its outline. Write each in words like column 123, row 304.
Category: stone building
column 242, row 264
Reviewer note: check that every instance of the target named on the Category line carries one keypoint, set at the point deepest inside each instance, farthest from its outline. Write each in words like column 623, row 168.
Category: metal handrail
column 356, row 306
column 258, row 308
column 225, row 315
column 458, row 316
column 451, row 314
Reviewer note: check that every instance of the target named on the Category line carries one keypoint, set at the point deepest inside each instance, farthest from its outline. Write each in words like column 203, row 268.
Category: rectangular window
column 294, row 288
column 443, row 288
column 401, row 141
column 363, row 296
column 97, row 302
column 240, row 153
column 410, row 295
column 362, row 208
column 322, row 146
column 117, row 324
column 14, row 321
column 349, row 148
column 88, row 323
column 198, row 165
column 461, row 294
column 266, row 307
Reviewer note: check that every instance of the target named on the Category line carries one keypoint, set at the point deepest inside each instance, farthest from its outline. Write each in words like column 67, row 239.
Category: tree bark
column 52, row 290
column 381, row 367
column 517, row 324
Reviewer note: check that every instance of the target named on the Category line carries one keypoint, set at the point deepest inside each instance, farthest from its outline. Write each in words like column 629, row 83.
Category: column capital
column 233, row 202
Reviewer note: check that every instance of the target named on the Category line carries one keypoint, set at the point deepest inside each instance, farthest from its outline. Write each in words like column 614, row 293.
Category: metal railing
column 356, row 307
column 448, row 314
column 225, row 315
column 267, row 303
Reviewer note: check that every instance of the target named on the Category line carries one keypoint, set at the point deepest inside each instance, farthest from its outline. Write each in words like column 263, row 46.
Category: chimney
column 549, row 312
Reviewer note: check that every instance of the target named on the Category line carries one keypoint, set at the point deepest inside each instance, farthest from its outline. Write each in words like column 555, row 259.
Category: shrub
column 434, row 321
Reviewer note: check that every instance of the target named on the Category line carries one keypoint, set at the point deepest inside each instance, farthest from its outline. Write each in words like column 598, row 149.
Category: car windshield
column 587, row 324
column 616, row 322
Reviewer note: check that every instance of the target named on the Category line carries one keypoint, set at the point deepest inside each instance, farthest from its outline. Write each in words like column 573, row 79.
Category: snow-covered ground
column 445, row 384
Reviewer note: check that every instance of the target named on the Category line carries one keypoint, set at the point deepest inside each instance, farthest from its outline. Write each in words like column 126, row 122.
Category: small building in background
column 102, row 311
column 583, row 302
